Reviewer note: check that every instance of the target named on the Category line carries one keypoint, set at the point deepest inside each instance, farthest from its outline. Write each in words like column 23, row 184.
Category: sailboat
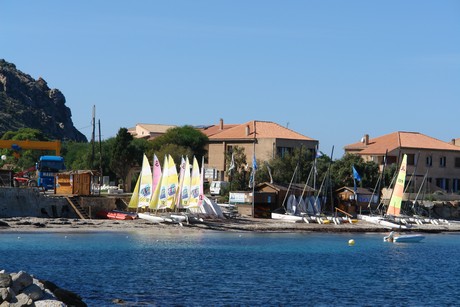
column 141, row 194
column 158, row 176
column 394, row 207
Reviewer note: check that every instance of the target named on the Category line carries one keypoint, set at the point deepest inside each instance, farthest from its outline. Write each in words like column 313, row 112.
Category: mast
column 379, row 182
column 100, row 147
column 289, row 187
column 100, row 155
column 93, row 124
column 254, row 169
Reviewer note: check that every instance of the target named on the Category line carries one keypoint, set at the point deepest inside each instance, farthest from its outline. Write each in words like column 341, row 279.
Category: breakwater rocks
column 23, row 289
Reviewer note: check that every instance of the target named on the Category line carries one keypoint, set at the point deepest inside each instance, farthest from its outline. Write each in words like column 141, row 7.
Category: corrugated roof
column 263, row 129
column 400, row 139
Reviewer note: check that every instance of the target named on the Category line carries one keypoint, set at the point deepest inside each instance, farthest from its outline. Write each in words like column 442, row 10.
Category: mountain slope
column 29, row 103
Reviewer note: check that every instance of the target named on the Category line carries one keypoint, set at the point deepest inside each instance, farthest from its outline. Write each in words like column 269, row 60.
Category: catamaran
column 394, row 207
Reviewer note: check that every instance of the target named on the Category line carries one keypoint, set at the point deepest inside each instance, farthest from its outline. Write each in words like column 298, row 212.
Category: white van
column 217, row 187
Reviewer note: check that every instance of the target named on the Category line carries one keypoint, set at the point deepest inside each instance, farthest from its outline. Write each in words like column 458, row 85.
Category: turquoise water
column 241, row 269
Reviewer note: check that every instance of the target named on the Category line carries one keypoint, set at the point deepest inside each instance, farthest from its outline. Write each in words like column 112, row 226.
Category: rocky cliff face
column 29, row 103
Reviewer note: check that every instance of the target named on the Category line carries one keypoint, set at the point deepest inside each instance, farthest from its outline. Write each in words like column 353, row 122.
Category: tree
column 282, row 168
column 76, row 155
column 239, row 176
column 24, row 158
column 187, row 140
column 342, row 173
column 123, row 154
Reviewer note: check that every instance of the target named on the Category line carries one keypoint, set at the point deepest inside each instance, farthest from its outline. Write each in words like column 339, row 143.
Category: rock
column 33, row 291
column 5, row 280
column 21, row 300
column 21, row 280
column 49, row 303
column 30, row 103
column 49, row 285
column 6, row 294
column 69, row 298
column 4, row 224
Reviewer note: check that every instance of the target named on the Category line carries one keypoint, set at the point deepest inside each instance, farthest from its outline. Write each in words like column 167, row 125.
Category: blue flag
column 356, row 177
column 254, row 163
column 355, row 174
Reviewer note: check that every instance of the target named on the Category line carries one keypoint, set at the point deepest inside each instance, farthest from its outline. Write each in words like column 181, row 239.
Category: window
column 230, row 149
column 429, row 161
column 282, row 151
column 410, row 159
column 455, row 185
column 457, row 162
column 440, row 183
column 442, row 162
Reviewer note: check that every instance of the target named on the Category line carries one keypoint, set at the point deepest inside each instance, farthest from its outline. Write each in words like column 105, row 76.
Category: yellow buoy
column 351, row 242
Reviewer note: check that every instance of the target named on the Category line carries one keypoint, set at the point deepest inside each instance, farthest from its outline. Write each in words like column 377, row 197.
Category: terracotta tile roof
column 263, row 129
column 214, row 129
column 400, row 139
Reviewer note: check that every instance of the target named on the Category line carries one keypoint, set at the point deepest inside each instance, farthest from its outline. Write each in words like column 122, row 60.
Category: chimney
column 247, row 130
column 221, row 124
column 365, row 139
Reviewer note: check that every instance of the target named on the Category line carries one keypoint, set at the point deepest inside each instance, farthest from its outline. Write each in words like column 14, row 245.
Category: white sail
column 145, row 186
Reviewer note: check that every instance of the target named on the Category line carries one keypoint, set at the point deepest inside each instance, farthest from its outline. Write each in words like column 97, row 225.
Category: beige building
column 430, row 161
column 149, row 131
column 268, row 139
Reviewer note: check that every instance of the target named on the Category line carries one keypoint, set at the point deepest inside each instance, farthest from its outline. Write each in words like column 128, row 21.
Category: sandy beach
column 240, row 224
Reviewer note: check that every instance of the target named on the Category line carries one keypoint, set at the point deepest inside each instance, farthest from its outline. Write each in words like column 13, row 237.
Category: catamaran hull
column 408, row 238
column 288, row 218
column 151, row 218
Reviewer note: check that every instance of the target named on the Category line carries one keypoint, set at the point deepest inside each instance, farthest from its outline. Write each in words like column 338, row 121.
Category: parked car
column 217, row 187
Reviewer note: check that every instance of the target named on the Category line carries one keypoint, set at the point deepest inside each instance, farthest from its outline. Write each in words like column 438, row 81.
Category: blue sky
column 330, row 70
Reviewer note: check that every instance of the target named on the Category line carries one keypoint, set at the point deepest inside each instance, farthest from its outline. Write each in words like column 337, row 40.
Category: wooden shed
column 281, row 191
column 264, row 202
column 353, row 203
column 75, row 182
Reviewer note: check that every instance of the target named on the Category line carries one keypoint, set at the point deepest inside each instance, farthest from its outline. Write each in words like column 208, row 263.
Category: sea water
column 241, row 269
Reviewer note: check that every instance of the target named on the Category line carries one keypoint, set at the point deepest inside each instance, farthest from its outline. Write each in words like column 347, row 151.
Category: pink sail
column 156, row 172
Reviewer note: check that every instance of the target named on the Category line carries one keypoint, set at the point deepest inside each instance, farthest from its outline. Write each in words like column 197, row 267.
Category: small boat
column 121, row 215
column 413, row 238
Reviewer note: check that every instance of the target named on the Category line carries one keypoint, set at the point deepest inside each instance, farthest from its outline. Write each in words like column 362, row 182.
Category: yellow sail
column 145, row 187
column 134, row 201
column 394, row 207
column 195, row 182
column 172, row 184
column 162, row 196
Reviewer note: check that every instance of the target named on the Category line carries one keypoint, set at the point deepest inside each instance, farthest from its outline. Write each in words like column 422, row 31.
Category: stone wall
column 30, row 202
column 18, row 202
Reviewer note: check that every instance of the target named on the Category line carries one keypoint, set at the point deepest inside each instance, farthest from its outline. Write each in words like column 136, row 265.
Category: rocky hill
column 29, row 103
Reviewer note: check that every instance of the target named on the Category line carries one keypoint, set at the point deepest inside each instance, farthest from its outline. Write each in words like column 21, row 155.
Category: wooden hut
column 75, row 182
column 352, row 202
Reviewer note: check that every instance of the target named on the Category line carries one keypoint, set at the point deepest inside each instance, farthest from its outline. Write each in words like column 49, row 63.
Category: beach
column 241, row 224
